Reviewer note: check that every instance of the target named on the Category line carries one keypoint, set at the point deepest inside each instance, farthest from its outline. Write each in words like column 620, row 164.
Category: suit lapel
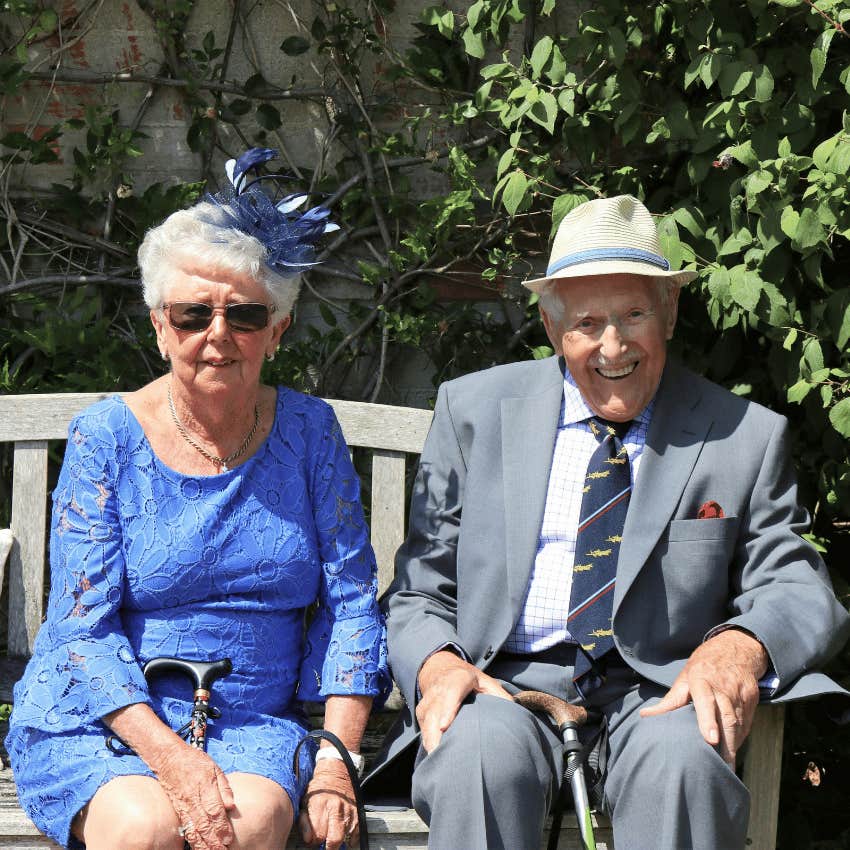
column 676, row 435
column 529, row 425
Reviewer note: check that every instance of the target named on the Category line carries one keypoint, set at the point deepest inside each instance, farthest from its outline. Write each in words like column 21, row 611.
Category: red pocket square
column 710, row 510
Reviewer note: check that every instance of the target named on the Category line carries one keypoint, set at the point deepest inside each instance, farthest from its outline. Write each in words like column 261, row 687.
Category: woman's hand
column 328, row 807
column 194, row 784
column 200, row 795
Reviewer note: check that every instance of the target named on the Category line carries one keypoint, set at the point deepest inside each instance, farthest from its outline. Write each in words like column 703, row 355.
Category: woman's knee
column 262, row 817
column 131, row 812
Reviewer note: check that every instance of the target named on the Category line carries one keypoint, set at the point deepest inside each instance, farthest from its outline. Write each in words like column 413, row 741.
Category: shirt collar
column 575, row 409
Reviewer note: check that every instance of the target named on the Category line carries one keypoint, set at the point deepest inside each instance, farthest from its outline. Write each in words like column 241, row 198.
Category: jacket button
column 488, row 653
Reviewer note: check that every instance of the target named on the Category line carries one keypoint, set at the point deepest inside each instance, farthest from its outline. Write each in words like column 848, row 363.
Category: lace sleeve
column 345, row 651
column 82, row 665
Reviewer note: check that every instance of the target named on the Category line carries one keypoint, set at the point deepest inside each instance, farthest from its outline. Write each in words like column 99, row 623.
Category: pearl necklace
column 221, row 462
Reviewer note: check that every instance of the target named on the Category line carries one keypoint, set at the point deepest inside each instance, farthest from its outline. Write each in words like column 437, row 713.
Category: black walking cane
column 202, row 674
column 568, row 718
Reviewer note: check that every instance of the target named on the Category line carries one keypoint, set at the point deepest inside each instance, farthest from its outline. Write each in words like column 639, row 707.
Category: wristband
column 330, row 753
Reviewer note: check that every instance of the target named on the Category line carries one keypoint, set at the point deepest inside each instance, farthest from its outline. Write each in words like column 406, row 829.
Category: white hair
column 553, row 298
column 191, row 237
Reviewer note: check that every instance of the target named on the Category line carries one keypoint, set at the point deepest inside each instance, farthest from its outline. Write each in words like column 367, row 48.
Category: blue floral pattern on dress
column 146, row 561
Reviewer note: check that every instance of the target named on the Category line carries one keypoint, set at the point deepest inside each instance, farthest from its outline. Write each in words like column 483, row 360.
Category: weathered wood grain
column 47, row 416
column 762, row 771
column 387, row 518
column 29, row 524
column 6, row 540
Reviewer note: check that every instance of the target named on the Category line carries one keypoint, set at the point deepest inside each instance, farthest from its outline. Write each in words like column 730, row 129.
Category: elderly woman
column 201, row 517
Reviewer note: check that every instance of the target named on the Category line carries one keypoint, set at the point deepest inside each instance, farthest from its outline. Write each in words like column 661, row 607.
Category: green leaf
column 789, row 221
column 473, row 14
column 254, row 85
column 540, row 56
column 758, row 182
column 671, row 247
column 736, row 243
column 327, row 314
column 616, row 46
column 691, row 219
column 268, row 117
column 558, row 69
column 763, row 84
column 544, row 111
column 734, row 78
column 810, row 232
column 710, row 69
column 564, row 204
column 567, row 101
column 745, row 287
column 822, row 153
column 839, row 416
column 790, row 339
column 745, row 154
column 437, row 16
column 692, row 72
column 505, row 162
column 541, row 352
column 473, row 43
column 818, row 54
column 514, row 191
column 798, row 391
column 769, row 230
column 295, row 45
column 812, row 356
column 838, row 316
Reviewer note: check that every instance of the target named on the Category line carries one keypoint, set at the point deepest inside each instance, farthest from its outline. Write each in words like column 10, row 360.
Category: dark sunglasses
column 241, row 317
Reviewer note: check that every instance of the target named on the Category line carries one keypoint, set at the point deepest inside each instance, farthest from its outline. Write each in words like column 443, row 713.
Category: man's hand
column 721, row 680
column 445, row 681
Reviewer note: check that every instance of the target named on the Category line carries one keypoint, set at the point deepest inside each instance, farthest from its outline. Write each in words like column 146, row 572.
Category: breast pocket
column 682, row 530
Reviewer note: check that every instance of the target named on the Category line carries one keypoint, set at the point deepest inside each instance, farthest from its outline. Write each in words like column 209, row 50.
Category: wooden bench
column 390, row 434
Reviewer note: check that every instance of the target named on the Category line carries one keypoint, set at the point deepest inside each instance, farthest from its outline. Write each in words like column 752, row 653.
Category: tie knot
column 602, row 428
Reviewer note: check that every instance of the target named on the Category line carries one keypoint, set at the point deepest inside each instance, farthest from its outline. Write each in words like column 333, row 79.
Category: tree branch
column 71, row 75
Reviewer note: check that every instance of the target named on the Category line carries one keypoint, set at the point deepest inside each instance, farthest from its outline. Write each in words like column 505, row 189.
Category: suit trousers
column 493, row 778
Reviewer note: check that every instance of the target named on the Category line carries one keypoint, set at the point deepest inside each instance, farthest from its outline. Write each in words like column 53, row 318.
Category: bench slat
column 762, row 772
column 387, row 518
column 29, row 523
column 46, row 417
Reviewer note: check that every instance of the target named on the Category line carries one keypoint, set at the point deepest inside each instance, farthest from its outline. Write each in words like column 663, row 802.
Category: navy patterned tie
column 603, row 515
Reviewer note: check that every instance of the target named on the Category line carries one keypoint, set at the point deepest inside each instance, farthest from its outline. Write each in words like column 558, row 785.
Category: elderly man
column 610, row 528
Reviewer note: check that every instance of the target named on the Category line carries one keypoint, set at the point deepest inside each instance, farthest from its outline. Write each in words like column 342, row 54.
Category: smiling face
column 216, row 359
column 613, row 336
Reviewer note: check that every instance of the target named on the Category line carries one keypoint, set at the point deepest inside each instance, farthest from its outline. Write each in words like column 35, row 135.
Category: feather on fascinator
column 288, row 236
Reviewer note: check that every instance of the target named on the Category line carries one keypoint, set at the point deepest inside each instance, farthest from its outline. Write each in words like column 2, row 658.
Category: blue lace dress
column 146, row 562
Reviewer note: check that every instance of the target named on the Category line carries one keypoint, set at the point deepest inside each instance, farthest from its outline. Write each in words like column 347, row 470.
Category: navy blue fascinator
column 290, row 237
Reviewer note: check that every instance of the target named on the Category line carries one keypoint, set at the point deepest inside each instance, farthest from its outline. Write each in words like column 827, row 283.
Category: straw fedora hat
column 608, row 236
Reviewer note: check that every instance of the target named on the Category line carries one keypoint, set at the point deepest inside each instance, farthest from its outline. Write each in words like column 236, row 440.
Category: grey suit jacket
column 478, row 505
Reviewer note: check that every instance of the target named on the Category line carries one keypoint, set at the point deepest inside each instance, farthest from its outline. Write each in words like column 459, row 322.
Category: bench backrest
column 29, row 421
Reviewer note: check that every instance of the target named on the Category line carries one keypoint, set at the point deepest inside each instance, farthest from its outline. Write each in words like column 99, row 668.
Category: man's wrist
column 747, row 642
column 437, row 662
